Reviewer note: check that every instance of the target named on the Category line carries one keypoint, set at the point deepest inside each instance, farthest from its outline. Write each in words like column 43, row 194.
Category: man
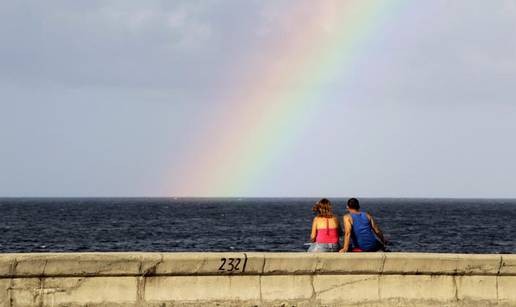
column 361, row 232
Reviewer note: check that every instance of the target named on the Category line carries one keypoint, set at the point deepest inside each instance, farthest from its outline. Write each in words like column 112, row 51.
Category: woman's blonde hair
column 323, row 208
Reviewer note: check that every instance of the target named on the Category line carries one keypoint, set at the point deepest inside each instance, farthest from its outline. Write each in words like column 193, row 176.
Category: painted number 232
column 230, row 264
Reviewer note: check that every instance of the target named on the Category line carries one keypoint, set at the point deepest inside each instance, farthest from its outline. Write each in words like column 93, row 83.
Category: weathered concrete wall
column 248, row 279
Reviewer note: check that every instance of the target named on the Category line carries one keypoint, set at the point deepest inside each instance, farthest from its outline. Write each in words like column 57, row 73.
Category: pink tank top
column 327, row 235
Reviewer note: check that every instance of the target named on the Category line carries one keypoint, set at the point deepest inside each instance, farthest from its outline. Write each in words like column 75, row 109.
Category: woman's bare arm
column 314, row 230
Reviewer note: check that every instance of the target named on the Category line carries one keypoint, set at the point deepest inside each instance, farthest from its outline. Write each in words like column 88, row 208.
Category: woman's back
column 327, row 229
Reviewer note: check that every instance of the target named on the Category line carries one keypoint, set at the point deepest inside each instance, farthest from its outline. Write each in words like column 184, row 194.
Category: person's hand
column 385, row 242
column 342, row 251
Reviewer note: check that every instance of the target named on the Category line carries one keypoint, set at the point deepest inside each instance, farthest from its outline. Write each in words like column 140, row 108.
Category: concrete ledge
column 268, row 279
column 177, row 264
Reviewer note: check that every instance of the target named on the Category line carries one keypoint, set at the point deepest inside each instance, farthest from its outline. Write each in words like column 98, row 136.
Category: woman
column 325, row 228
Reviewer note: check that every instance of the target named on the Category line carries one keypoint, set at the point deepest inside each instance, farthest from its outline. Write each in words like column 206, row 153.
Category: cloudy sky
column 132, row 98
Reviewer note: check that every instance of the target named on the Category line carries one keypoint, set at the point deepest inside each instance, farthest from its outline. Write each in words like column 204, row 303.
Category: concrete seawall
column 263, row 279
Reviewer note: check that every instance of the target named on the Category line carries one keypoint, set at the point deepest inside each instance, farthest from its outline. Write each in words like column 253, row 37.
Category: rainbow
column 271, row 103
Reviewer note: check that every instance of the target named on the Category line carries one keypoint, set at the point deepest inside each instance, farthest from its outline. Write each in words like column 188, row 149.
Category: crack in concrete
column 314, row 294
column 379, row 292
column 346, row 284
column 104, row 268
column 469, row 269
column 12, row 267
column 379, row 277
column 151, row 270
column 384, row 258
column 263, row 266
column 12, row 272
column 79, row 283
column 260, row 279
column 201, row 265
column 38, row 294
column 141, row 282
column 318, row 265
column 454, row 279
column 500, row 264
column 44, row 268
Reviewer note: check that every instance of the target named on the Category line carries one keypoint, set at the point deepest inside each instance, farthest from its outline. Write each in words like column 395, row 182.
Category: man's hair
column 353, row 204
column 323, row 208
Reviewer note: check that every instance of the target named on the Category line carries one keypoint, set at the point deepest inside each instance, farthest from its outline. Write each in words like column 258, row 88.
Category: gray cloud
column 108, row 97
column 158, row 44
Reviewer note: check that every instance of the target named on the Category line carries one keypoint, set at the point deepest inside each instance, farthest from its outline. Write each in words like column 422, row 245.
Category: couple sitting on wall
column 361, row 234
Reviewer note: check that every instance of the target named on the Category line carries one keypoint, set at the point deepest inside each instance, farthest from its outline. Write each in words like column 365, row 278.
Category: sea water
column 256, row 224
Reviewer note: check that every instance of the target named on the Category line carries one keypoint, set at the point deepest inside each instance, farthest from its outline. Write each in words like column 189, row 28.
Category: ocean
column 248, row 224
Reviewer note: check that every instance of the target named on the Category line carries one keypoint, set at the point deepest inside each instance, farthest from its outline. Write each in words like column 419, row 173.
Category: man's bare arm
column 347, row 234
column 376, row 229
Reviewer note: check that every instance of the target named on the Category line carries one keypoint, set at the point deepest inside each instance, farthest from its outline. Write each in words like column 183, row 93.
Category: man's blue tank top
column 362, row 235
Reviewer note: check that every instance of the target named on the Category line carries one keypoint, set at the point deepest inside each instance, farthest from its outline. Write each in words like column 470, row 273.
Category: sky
column 230, row 98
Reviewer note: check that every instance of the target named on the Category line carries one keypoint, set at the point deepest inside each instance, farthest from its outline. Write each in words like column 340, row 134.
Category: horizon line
column 261, row 197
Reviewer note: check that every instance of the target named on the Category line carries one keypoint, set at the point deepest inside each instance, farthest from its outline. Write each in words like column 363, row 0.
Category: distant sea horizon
column 262, row 197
